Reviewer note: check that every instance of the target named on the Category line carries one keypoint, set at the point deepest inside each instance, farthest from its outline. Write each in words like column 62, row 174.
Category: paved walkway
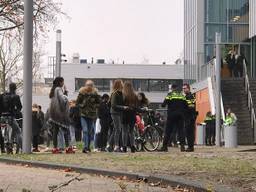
column 26, row 179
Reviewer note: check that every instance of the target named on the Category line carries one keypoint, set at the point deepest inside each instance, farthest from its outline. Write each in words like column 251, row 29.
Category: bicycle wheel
column 138, row 140
column 152, row 139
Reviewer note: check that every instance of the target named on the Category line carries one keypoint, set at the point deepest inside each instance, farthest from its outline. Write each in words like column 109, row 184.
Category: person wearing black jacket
column 74, row 115
column 129, row 116
column 105, row 121
column 190, row 117
column 239, row 65
column 36, row 127
column 177, row 108
column 117, row 106
column 11, row 108
column 231, row 61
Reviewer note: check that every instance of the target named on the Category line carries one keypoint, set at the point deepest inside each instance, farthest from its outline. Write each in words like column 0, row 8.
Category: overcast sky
column 129, row 30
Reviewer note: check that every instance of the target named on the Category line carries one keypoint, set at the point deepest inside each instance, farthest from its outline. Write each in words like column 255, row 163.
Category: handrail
column 212, row 73
column 249, row 100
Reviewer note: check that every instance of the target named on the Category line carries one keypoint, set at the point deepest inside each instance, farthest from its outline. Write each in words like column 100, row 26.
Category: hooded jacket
column 88, row 102
column 59, row 108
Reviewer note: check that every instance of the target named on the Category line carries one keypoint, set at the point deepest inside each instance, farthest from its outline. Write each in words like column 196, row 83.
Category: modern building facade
column 252, row 33
column 153, row 80
column 203, row 18
column 236, row 21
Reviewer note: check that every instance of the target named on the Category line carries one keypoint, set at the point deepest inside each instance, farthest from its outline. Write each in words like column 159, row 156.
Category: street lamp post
column 27, row 76
column 58, row 53
column 218, row 89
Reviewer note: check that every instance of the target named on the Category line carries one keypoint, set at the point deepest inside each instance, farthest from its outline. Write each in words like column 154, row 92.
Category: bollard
column 200, row 134
column 230, row 136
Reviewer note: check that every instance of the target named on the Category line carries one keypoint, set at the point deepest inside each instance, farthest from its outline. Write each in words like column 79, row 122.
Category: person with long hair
column 59, row 113
column 129, row 116
column 88, row 102
column 117, row 105
column 142, row 100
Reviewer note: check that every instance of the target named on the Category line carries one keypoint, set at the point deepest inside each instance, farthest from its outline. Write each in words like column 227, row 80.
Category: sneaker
column 182, row 148
column 70, row 150
column 96, row 150
column 56, row 151
column 85, row 150
column 109, row 149
column 133, row 149
column 35, row 150
column 75, row 147
column 117, row 150
column 124, row 150
column 190, row 149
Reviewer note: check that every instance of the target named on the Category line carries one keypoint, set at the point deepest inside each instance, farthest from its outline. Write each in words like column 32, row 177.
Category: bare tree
column 10, row 58
column 45, row 15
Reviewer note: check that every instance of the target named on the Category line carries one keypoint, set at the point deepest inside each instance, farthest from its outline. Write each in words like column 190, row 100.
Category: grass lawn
column 234, row 167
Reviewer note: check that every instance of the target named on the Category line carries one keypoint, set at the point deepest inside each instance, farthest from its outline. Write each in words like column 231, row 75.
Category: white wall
column 113, row 71
column 252, row 5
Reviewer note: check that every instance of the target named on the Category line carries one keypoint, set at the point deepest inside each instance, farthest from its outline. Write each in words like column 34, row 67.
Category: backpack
column 6, row 103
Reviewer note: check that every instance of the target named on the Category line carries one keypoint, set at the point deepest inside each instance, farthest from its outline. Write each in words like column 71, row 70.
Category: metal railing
column 208, row 70
column 211, row 71
column 250, row 100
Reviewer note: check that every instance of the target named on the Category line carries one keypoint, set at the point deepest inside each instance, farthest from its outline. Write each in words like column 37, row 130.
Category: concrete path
column 26, row 179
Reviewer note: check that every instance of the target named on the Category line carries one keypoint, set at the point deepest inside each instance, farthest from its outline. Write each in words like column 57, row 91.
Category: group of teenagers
column 115, row 114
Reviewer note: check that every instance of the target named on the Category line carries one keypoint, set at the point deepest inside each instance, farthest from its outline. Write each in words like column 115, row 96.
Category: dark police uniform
column 190, row 120
column 177, row 107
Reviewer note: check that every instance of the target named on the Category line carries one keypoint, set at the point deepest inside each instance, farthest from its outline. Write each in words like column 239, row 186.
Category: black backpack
column 6, row 103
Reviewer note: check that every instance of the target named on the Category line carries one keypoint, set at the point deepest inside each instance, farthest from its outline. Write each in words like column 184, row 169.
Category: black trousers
column 212, row 133
column 238, row 71
column 208, row 134
column 174, row 121
column 105, row 126
column 35, row 141
column 190, row 131
column 1, row 142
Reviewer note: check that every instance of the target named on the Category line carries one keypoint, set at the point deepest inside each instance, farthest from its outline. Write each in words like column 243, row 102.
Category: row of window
column 144, row 85
column 227, row 11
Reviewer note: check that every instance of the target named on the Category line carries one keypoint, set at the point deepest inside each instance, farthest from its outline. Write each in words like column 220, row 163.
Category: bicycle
column 148, row 137
column 11, row 142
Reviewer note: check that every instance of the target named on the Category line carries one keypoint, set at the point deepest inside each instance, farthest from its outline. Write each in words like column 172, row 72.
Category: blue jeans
column 88, row 129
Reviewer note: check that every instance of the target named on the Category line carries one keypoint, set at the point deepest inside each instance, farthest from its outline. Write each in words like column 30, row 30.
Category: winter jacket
column 117, row 102
column 59, row 109
column 104, row 113
column 129, row 115
column 36, row 123
column 88, row 103
column 14, row 107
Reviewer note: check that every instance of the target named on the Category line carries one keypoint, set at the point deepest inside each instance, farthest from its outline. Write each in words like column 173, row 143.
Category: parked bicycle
column 12, row 140
column 148, row 136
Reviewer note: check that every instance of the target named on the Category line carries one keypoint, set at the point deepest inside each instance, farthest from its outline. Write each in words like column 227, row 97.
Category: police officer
column 177, row 107
column 190, row 117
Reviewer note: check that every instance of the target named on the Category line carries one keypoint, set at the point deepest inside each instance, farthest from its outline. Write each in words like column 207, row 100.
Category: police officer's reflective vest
column 208, row 118
column 229, row 121
column 175, row 96
column 191, row 102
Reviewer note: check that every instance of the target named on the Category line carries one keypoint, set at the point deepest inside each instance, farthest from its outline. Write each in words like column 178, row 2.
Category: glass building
column 203, row 18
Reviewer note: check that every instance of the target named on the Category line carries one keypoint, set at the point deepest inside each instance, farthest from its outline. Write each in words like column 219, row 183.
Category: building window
column 103, row 85
column 140, row 85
